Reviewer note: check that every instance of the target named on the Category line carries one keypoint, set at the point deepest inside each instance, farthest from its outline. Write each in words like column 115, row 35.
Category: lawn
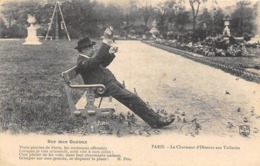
column 33, row 98
column 32, row 92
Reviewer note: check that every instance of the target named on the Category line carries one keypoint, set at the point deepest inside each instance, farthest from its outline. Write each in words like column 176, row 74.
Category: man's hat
column 85, row 42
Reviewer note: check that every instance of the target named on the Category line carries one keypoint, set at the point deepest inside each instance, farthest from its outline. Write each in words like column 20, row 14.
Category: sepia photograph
column 130, row 82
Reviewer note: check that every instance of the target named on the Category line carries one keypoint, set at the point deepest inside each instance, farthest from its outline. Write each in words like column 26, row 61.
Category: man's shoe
column 163, row 121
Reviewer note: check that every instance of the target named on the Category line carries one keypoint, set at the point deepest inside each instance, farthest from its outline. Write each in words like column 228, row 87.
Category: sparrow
column 230, row 125
column 194, row 120
column 156, row 131
column 135, row 91
column 140, row 132
column 256, row 130
column 246, row 120
column 178, row 118
column 118, row 133
column 123, row 84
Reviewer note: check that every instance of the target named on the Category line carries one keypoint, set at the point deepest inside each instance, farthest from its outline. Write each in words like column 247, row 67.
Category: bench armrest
column 100, row 87
column 72, row 73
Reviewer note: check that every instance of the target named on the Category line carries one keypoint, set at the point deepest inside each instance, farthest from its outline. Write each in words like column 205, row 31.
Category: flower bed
column 218, row 46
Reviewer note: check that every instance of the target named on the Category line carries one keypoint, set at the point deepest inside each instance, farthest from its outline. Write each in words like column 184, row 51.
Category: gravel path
column 220, row 102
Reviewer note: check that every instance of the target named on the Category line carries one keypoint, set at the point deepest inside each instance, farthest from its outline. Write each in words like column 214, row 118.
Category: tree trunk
column 194, row 24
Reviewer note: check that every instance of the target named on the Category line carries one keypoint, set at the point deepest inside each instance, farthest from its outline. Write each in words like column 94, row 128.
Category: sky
column 221, row 3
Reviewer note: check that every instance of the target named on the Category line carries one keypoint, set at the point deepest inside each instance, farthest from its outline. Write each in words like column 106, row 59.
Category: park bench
column 85, row 106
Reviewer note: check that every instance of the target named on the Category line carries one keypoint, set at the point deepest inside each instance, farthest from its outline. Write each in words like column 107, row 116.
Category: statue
column 154, row 31
column 32, row 38
column 226, row 31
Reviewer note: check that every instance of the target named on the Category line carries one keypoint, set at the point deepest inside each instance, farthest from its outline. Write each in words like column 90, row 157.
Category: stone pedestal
column 154, row 29
column 32, row 38
column 226, row 31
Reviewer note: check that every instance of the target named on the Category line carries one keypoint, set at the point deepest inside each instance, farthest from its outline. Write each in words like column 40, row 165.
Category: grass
column 33, row 98
column 32, row 93
column 246, row 62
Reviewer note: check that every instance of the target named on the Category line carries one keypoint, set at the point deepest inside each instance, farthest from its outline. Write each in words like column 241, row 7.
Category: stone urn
column 32, row 38
column 226, row 31
column 154, row 29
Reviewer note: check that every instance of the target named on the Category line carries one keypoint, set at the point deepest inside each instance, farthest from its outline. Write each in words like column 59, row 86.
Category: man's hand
column 113, row 50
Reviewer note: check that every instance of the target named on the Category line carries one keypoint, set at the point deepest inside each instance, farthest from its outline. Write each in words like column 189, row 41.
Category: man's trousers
column 131, row 101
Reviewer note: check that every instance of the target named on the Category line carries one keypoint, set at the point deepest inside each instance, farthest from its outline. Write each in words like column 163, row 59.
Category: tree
column 218, row 16
column 101, row 14
column 242, row 18
column 3, row 28
column 16, row 15
column 131, row 12
column 146, row 11
column 205, row 18
column 181, row 20
column 165, row 14
column 86, row 22
column 195, row 7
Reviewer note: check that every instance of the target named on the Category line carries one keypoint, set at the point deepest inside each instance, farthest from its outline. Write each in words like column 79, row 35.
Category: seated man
column 92, row 68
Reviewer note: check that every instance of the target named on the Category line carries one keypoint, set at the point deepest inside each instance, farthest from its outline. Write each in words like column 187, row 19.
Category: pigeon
column 178, row 118
column 132, row 132
column 148, row 133
column 165, row 113
column 252, row 111
column 156, row 131
column 162, row 111
column 239, row 109
column 135, row 91
column 101, row 132
column 148, row 105
column 110, row 98
column 122, row 116
column 246, row 120
column 128, row 115
column 227, row 93
column 172, row 116
column 194, row 120
column 198, row 126
column 256, row 130
column 129, row 124
column 123, row 84
column 140, row 132
column 110, row 132
column 118, row 133
column 230, row 125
